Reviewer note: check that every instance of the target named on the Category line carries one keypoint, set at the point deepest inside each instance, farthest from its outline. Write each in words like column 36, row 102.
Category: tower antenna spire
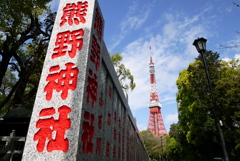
column 150, row 54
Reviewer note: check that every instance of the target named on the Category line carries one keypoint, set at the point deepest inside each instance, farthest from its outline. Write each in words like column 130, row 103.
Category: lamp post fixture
column 200, row 45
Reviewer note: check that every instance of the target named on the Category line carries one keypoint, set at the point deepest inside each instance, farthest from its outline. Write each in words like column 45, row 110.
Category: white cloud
column 54, row 5
column 134, row 19
column 227, row 59
column 237, row 56
column 172, row 118
column 228, row 9
column 142, row 127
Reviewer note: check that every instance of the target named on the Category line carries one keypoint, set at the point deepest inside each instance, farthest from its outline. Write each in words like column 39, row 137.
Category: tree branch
column 16, row 67
column 9, row 95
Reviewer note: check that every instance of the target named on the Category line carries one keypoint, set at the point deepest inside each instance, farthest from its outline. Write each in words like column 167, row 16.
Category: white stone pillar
column 63, row 123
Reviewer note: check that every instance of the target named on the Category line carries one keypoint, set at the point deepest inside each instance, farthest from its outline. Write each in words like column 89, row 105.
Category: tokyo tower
column 155, row 121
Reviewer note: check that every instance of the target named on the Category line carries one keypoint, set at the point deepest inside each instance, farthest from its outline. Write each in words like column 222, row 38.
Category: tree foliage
column 196, row 116
column 174, row 145
column 159, row 147
column 25, row 28
column 228, row 99
column 124, row 75
column 152, row 144
column 8, row 82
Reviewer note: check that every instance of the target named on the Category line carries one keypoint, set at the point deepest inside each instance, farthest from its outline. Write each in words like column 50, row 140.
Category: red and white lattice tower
column 155, row 121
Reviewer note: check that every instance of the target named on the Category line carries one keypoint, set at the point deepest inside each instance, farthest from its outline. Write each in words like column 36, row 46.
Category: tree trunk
column 23, row 80
column 4, row 66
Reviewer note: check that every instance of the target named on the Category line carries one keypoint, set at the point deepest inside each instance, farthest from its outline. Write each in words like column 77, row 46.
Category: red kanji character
column 114, row 151
column 98, row 25
column 109, row 119
column 49, row 125
column 100, row 122
column 95, row 53
column 119, row 123
column 99, row 146
column 115, row 134
column 68, row 42
column 62, row 81
column 119, row 153
column 123, row 151
column 119, row 137
column 73, row 13
column 108, row 149
column 88, row 132
column 92, row 88
column 101, row 102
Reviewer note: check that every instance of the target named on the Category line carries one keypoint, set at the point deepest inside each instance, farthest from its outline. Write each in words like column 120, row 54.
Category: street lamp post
column 200, row 45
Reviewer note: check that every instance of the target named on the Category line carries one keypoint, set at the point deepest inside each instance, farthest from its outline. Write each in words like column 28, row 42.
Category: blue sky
column 169, row 27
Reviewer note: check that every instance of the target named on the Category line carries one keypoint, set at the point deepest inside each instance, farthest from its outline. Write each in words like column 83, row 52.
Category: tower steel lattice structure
column 155, row 121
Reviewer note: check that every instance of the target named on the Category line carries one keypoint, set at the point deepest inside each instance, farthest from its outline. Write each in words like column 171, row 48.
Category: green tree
column 25, row 28
column 196, row 119
column 124, row 75
column 228, row 99
column 152, row 144
column 174, row 144
column 8, row 82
